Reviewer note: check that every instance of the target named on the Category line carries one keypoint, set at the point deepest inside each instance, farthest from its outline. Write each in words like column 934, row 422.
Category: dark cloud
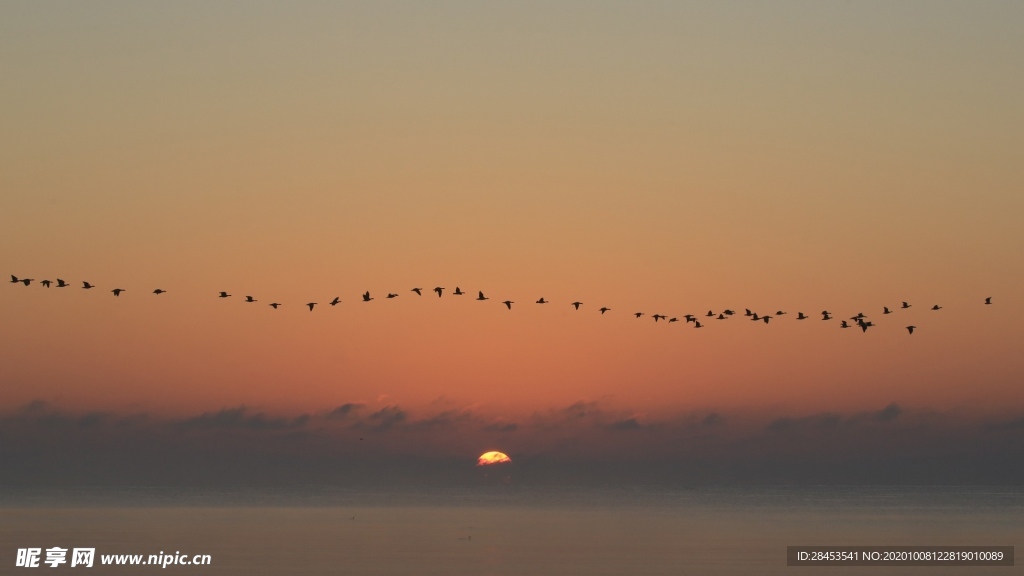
column 627, row 424
column 889, row 413
column 386, row 418
column 241, row 418
column 345, row 410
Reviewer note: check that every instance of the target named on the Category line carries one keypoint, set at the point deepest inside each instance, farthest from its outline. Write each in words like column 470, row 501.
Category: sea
column 494, row 530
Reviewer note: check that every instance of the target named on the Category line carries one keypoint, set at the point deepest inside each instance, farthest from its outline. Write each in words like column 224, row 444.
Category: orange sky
column 659, row 158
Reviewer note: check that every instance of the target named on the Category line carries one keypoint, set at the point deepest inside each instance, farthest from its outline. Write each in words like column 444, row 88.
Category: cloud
column 240, row 418
column 345, row 410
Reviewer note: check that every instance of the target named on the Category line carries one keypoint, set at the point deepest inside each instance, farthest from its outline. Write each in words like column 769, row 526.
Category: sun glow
column 488, row 458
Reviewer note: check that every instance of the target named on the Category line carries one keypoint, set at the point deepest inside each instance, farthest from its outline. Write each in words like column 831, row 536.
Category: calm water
column 504, row 530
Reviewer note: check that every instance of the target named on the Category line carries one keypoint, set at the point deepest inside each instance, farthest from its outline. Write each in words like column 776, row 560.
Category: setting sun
column 488, row 458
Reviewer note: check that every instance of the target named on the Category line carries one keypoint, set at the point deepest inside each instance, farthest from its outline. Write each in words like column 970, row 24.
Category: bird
column 439, row 289
column 844, row 325
column 542, row 301
column 576, row 305
column 988, row 300
column 45, row 283
column 710, row 314
column 27, row 281
column 14, row 279
column 366, row 296
column 689, row 318
column 885, row 310
column 480, row 295
column 858, row 316
column 250, row 299
column 905, row 305
column 825, row 316
column 603, row 309
column 638, row 314
column 418, row 291
column 311, row 304
column 335, row 302
column 391, row 295
column 748, row 312
column 766, row 318
column 936, row 307
column 658, row 317
column 61, row 283
column 800, row 316
column 779, row 313
column 671, row 320
column 159, row 291
column 755, row 317
column 865, row 325
column 728, row 312
column 910, row 329
column 698, row 325
column 224, row 295
column 508, row 303
column 117, row 291
column 274, row 305
column 458, row 291
column 86, row 286
column 722, row 317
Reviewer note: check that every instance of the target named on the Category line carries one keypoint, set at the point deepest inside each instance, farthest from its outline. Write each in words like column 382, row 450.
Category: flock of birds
column 860, row 320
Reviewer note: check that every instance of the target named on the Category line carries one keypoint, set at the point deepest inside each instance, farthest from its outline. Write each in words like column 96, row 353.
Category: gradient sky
column 662, row 157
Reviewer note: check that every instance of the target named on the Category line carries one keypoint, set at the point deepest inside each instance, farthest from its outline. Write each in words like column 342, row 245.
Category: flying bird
column 542, row 301
column 690, row 318
column 885, row 310
column 45, row 283
column 250, row 299
column 936, row 307
column 311, row 304
column 698, row 325
column 748, row 312
column 439, row 289
column 800, row 316
column 508, row 303
column 418, row 291
column 865, row 325
column 905, row 305
column 638, row 314
column 224, row 295
column 658, row 317
column 844, row 325
column 27, row 281
column 988, row 300
column 391, row 295
column 825, row 316
column 86, row 286
column 480, row 295
column 274, row 305
column 671, row 320
column 366, row 296
column 61, row 283
column 766, row 318
column 755, row 318
column 779, row 312
column 159, row 291
column 117, row 291
column 858, row 316
column 576, row 305
column 910, row 329
column 728, row 312
column 14, row 279
column 603, row 309
column 335, row 302
column 722, row 317
column 458, row 291
column 710, row 314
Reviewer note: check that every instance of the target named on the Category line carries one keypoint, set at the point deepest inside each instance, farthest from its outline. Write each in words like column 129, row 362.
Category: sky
column 658, row 157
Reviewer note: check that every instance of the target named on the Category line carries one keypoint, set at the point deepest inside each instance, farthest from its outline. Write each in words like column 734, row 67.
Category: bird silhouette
column 27, row 281
column 779, row 312
column 885, row 310
column 480, row 295
column 698, row 324
column 728, row 312
column 689, row 318
column 825, row 316
column 158, row 291
column 366, row 296
column 576, row 305
column 766, row 318
column 910, row 329
column 250, row 299
column 86, row 286
column 542, row 301
column 858, row 316
column 335, row 302
column 45, row 283
column 117, row 291
column 15, row 279
column 638, row 314
column 671, row 320
column 988, row 300
column 936, row 307
column 710, row 314
column 274, row 305
column 748, row 312
column 864, row 325
column 800, row 316
column 658, row 317
column 418, row 291
column 905, row 305
column 391, row 295
column 722, row 317
column 844, row 325
column 439, row 289
column 311, row 304
column 508, row 303
column 603, row 309
column 224, row 295
column 458, row 291
column 61, row 283
column 755, row 317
